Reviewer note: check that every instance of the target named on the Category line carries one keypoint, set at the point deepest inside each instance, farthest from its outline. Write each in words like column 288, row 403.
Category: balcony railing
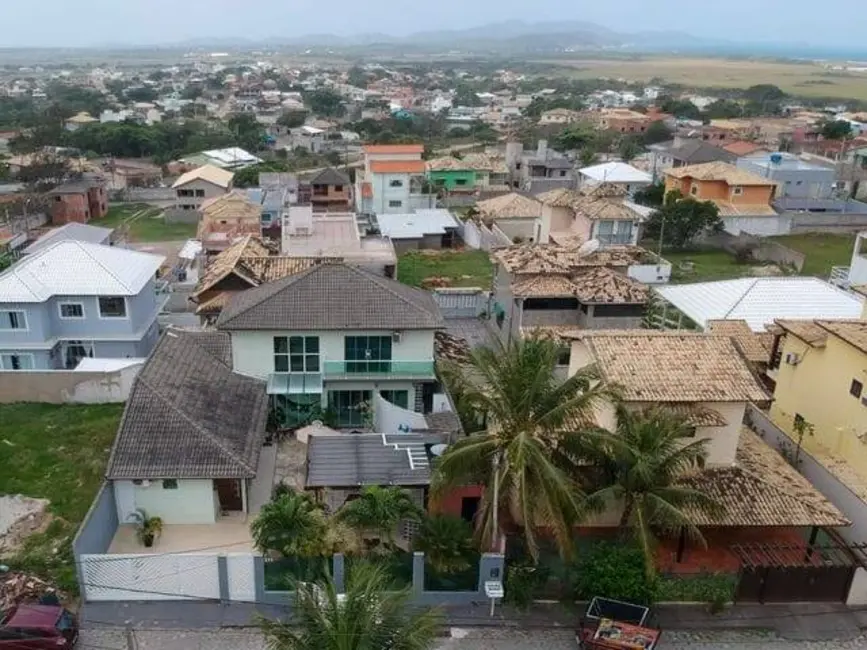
column 348, row 369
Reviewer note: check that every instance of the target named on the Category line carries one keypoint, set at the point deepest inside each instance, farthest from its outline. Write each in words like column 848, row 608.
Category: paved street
column 463, row 639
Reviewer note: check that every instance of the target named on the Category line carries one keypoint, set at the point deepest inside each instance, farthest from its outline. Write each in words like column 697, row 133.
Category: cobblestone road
column 475, row 639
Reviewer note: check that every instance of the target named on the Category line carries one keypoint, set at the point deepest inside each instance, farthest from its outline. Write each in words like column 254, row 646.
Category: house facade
column 473, row 172
column 393, row 180
column 326, row 339
column 225, row 218
column 201, row 184
column 331, row 191
column 795, row 177
column 78, row 202
column 74, row 300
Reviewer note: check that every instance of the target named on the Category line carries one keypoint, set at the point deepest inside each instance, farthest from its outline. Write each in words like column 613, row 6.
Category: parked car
column 38, row 627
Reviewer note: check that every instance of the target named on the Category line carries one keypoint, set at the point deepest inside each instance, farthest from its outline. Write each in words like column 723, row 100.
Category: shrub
column 523, row 581
column 614, row 570
column 715, row 589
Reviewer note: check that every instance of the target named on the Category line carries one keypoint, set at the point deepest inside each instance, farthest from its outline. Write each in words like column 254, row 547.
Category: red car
column 38, row 627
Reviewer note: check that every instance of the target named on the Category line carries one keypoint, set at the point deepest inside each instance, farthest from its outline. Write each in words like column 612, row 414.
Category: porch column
column 681, row 545
column 814, row 532
column 244, row 506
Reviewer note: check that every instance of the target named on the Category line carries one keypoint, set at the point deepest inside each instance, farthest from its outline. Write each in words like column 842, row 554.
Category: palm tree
column 292, row 525
column 644, row 463
column 447, row 543
column 369, row 615
column 529, row 413
column 379, row 510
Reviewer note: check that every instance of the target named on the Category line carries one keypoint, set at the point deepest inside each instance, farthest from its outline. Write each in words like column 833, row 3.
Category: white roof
column 190, row 249
column 760, row 301
column 88, row 364
column 74, row 268
column 311, row 130
column 231, row 156
column 209, row 173
column 615, row 172
column 70, row 231
column 415, row 225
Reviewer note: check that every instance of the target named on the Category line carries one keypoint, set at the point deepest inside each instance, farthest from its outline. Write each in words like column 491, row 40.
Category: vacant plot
column 56, row 453
column 823, row 250
column 145, row 223
column 808, row 79
column 455, row 268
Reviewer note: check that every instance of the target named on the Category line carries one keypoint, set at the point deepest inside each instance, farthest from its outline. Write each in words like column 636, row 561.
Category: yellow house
column 822, row 380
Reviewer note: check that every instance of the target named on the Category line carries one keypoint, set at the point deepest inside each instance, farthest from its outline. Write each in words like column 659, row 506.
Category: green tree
column 249, row 176
column 370, row 615
column 141, row 94
column 465, row 95
column 379, row 510
column 652, row 196
column 681, row 108
column 644, row 462
column 292, row 525
column 325, row 103
column 587, row 157
column 446, row 541
column 528, row 412
column 836, row 130
column 657, row 132
column 292, row 119
column 679, row 220
column 762, row 93
column 356, row 76
column 575, row 137
column 247, row 131
column 723, row 109
column 628, row 148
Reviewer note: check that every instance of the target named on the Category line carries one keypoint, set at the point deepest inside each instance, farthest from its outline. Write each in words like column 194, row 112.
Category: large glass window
column 296, row 354
column 13, row 320
column 16, row 362
column 296, row 410
column 112, row 307
column 397, row 397
column 349, row 406
column 364, row 354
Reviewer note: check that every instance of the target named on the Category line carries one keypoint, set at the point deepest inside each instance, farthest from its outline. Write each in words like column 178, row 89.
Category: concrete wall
column 462, row 302
column 193, row 502
column 100, row 524
column 66, row 386
column 208, row 189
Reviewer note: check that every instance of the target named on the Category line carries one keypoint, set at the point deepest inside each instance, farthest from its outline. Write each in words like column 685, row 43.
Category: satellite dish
column 438, row 450
column 590, row 246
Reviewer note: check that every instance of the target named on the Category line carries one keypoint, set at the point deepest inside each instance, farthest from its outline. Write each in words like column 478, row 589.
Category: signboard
column 493, row 589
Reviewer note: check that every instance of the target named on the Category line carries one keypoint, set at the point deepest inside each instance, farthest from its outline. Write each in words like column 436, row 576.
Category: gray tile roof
column 694, row 151
column 189, row 416
column 355, row 459
column 329, row 176
column 332, row 296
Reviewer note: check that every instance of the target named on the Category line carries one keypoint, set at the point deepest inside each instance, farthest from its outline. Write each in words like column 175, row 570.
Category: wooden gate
column 777, row 573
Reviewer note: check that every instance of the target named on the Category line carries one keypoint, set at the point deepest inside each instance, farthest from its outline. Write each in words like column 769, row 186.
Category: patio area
column 231, row 534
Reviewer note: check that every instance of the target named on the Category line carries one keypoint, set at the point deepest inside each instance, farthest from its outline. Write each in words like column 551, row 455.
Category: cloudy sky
column 95, row 22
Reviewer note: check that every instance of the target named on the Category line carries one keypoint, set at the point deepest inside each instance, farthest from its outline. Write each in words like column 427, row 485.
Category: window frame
column 392, row 203
column 170, row 484
column 102, row 315
column 737, row 190
column 395, row 182
column 67, row 303
column 856, row 388
column 310, row 359
column 20, row 355
column 5, row 317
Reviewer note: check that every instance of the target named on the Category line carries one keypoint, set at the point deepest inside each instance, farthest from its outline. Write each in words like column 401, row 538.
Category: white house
column 616, row 173
column 393, row 180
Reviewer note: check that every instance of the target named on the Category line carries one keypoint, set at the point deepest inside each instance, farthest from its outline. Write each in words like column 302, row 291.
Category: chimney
column 542, row 149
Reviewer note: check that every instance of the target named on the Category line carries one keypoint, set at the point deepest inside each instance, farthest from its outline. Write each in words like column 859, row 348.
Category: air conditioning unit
column 395, row 337
column 793, row 359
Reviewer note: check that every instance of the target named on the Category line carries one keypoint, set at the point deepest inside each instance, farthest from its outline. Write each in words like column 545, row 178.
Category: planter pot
column 148, row 540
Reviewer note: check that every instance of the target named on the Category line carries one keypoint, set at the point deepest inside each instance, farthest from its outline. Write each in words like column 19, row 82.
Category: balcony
column 373, row 369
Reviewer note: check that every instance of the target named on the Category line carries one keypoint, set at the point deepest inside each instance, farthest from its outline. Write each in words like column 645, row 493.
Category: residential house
column 473, row 172
column 73, row 300
column 559, row 116
column 740, row 148
column 230, row 158
column 187, row 449
column 225, row 218
column 704, row 379
column 795, row 177
column 79, row 120
column 539, row 170
column 78, row 201
column 623, row 120
column 743, row 198
column 599, row 212
column 72, row 231
column 547, row 285
column 682, row 151
column 203, row 183
column 276, row 192
column 618, row 174
column 329, row 337
column 331, row 191
column 393, row 180
column 423, row 229
column 517, row 216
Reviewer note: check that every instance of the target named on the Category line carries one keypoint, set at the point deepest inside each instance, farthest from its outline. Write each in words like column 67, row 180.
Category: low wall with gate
column 468, row 302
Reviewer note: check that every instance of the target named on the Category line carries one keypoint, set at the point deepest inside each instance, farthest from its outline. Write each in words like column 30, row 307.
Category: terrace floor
column 230, row 534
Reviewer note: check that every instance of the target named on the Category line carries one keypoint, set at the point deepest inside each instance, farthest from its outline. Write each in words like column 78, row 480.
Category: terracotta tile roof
column 397, row 166
column 762, row 489
column 806, row 330
column 696, row 415
column 235, row 208
column 854, row 332
column 394, row 148
column 539, row 286
column 603, row 201
column 552, row 258
column 215, row 305
column 728, row 209
column 509, row 206
column 742, row 147
column 224, row 263
column 564, row 333
column 601, row 285
column 470, row 162
column 755, row 346
column 658, row 366
column 718, row 171
column 448, row 347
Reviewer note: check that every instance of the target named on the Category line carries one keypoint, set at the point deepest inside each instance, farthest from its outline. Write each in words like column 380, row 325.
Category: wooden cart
column 614, row 625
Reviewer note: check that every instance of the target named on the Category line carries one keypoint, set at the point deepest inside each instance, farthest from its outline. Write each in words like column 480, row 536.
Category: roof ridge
column 742, row 298
column 384, row 284
column 101, row 265
column 287, row 281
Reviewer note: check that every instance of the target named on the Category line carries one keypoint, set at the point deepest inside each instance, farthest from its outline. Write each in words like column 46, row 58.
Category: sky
column 83, row 23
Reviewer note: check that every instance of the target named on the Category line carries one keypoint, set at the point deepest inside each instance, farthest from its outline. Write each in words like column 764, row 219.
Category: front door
column 229, row 493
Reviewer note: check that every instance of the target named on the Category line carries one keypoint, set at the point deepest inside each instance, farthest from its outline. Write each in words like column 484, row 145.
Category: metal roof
column 74, row 268
column 615, row 172
column 761, row 301
column 416, row 225
column 71, row 231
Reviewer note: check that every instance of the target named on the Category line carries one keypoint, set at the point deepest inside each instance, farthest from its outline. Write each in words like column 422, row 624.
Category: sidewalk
column 801, row 621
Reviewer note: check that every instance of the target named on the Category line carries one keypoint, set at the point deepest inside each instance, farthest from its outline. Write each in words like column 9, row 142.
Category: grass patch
column 468, row 268
column 716, row 588
column 146, row 223
column 707, row 265
column 822, row 250
column 55, row 452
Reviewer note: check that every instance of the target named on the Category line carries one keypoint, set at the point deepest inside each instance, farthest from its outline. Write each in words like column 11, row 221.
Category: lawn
column 145, row 222
column 823, row 250
column 55, row 452
column 707, row 265
column 467, row 268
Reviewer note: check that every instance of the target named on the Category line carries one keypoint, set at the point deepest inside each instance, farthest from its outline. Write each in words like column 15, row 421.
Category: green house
column 453, row 179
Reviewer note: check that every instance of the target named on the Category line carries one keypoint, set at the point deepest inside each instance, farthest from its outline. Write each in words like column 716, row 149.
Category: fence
column 169, row 576
column 66, row 386
column 462, row 302
column 479, row 236
column 760, row 249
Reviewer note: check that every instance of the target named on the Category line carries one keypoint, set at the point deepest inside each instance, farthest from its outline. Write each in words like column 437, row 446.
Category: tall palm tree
column 379, row 510
column 529, row 413
column 368, row 616
column 291, row 524
column 643, row 463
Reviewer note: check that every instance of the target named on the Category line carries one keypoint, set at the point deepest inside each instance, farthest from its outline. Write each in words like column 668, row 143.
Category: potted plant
column 147, row 528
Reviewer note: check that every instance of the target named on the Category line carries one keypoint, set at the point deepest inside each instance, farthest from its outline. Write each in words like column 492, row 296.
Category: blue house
column 75, row 299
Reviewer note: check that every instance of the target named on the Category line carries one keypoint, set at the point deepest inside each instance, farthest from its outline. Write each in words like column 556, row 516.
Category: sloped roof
column 695, row 151
column 232, row 205
column 815, row 332
column 188, row 415
column 329, row 176
column 553, row 258
column 615, row 172
column 509, row 206
column 761, row 301
column 397, row 166
column 755, row 346
column 601, row 285
column 83, row 232
column 74, row 268
column 332, row 296
column 227, row 261
column 393, row 148
column 470, row 162
column 605, row 201
column 718, row 171
column 210, row 173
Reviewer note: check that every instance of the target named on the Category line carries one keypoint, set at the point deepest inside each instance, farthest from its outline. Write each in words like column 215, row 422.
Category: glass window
column 13, row 320
column 397, row 397
column 170, row 484
column 71, row 310
column 296, row 354
column 112, row 307
column 349, row 406
column 16, row 361
column 855, row 388
column 395, row 183
column 367, row 353
column 395, row 204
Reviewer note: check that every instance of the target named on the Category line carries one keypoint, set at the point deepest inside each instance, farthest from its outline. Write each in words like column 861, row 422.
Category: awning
column 286, row 383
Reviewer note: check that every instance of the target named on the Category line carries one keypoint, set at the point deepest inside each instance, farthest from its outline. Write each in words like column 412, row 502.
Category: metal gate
column 775, row 573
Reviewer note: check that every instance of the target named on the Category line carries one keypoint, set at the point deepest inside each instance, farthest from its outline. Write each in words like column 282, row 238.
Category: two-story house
column 78, row 201
column 682, row 151
column 472, row 172
column 795, row 177
column 743, row 198
column 73, row 300
column 203, row 183
column 325, row 339
column 620, row 174
column 225, row 218
column 393, row 180
column 331, row 191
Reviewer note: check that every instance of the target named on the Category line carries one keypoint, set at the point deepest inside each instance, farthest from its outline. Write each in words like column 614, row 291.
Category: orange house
column 733, row 190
